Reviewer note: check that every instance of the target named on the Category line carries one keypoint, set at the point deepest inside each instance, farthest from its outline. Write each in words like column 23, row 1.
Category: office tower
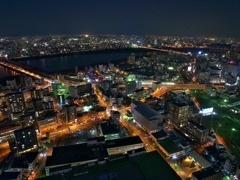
column 37, row 94
column 179, row 113
column 70, row 113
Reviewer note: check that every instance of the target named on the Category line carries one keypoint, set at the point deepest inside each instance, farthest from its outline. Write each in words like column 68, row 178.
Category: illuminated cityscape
column 109, row 106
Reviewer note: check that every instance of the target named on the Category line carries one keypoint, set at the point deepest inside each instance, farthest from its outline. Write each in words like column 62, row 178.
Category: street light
column 232, row 130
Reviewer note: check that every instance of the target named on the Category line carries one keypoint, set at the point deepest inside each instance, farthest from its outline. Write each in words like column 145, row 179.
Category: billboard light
column 207, row 111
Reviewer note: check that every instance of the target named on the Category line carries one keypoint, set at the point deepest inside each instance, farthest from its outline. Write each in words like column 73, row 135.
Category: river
column 69, row 62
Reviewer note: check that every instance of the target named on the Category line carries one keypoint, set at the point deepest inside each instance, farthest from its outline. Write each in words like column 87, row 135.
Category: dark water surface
column 69, row 62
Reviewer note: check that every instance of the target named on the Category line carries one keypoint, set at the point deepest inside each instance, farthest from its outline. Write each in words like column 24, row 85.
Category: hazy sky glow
column 218, row 18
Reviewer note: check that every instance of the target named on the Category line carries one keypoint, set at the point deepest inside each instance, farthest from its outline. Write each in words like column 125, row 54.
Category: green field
column 226, row 123
column 146, row 166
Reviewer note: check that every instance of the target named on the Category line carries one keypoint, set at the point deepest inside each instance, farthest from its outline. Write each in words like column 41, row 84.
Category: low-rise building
column 170, row 148
column 207, row 174
column 231, row 165
column 8, row 130
column 24, row 163
column 148, row 118
column 159, row 135
column 74, row 155
column 47, row 121
column 110, row 130
column 123, row 145
column 11, row 175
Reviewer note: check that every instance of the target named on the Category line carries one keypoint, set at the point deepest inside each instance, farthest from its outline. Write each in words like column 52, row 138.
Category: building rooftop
column 9, row 175
column 160, row 134
column 123, row 141
column 198, row 126
column 98, row 139
column 24, row 129
column 24, row 160
column 169, row 145
column 75, row 153
column 139, row 90
column 146, row 166
column 14, row 93
column 200, row 159
column 110, row 128
column 69, row 105
column 146, row 111
column 179, row 104
column 204, row 173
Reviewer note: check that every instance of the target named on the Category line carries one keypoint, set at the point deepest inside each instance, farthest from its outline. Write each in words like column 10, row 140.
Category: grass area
column 169, row 145
column 153, row 166
column 224, row 121
column 146, row 166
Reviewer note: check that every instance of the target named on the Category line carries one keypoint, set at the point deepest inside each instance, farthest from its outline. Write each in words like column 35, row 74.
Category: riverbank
column 67, row 63
column 122, row 50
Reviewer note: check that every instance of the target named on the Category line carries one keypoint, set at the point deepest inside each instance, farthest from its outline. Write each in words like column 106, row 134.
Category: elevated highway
column 25, row 70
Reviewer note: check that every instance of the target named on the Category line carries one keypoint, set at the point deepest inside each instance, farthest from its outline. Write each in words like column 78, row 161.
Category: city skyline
column 138, row 89
column 216, row 18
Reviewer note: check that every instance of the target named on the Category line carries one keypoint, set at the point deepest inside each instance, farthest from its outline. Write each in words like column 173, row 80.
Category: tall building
column 26, row 139
column 70, row 113
column 179, row 113
column 37, row 104
column 37, row 94
column 15, row 102
column 131, row 86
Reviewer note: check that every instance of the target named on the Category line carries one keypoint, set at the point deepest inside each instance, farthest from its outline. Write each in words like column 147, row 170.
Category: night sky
column 215, row 18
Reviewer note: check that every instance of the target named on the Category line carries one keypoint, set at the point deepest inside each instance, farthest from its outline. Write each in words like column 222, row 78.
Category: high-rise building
column 15, row 102
column 37, row 104
column 37, row 94
column 70, row 113
column 26, row 139
column 130, row 87
column 179, row 113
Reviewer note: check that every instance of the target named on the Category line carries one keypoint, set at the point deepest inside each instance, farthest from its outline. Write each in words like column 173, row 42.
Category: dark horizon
column 83, row 33
column 215, row 18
